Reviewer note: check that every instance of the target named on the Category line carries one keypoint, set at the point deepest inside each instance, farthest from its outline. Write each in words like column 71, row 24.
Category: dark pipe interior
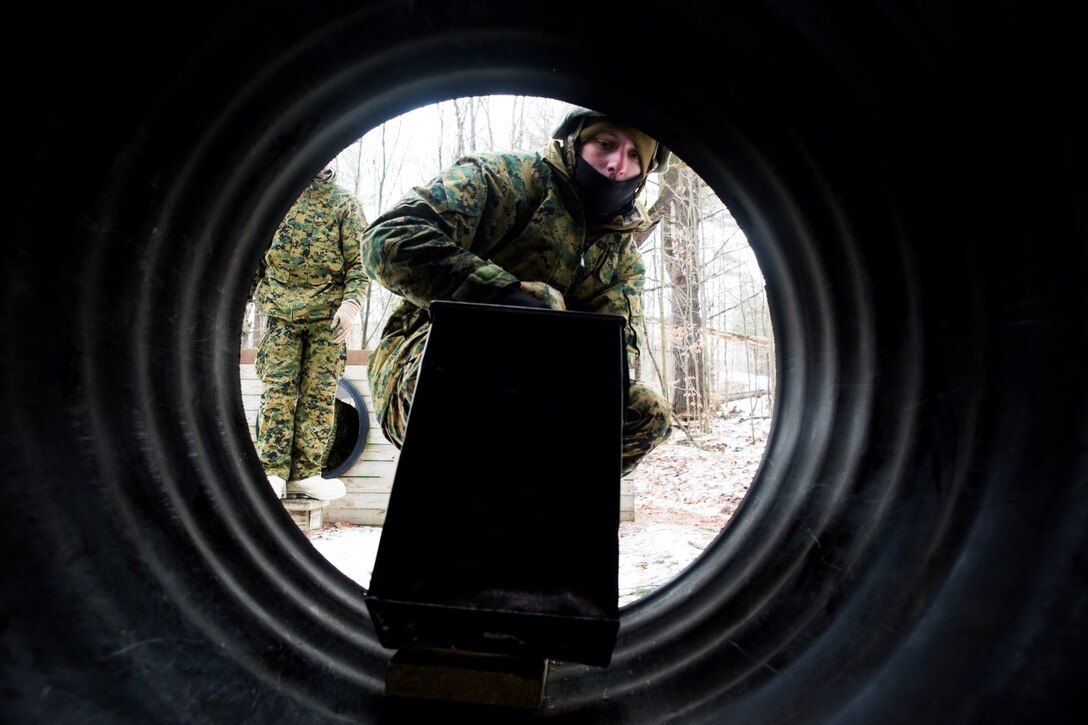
column 913, row 547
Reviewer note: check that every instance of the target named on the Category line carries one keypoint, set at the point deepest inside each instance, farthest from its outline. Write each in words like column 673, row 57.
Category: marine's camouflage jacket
column 494, row 219
column 314, row 262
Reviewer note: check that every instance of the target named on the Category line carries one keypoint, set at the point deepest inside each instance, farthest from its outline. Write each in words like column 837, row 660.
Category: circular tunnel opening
column 709, row 345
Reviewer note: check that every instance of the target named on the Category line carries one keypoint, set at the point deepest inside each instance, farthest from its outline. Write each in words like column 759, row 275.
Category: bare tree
column 707, row 317
column 679, row 209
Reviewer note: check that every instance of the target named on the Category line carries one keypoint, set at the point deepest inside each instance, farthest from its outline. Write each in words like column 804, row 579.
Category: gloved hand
column 343, row 320
column 524, row 295
column 545, row 293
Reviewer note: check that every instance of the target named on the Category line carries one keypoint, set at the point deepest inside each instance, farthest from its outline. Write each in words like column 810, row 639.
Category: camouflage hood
column 561, row 154
column 577, row 118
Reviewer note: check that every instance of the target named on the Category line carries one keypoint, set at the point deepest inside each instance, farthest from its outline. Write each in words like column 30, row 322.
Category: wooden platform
column 370, row 479
column 308, row 513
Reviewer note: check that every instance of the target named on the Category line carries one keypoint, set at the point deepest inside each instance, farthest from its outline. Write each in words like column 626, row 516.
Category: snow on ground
column 685, row 492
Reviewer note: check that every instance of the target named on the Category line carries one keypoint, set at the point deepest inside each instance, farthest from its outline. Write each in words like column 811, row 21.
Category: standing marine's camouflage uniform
column 491, row 220
column 312, row 266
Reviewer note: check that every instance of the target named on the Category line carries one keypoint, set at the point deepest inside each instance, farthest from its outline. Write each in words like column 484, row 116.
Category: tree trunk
column 680, row 241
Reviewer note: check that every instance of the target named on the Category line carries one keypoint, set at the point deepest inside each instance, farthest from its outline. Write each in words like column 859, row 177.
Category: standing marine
column 310, row 284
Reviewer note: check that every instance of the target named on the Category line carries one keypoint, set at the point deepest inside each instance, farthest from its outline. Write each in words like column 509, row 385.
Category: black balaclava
column 603, row 198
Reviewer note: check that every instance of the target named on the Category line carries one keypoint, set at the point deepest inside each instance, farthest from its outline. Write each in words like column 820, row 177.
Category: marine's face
column 613, row 154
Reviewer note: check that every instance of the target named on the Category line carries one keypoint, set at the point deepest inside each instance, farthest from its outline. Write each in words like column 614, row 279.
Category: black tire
column 352, row 426
column 913, row 180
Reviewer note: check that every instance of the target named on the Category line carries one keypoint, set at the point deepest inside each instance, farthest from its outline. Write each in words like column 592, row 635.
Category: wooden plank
column 377, row 439
column 627, row 508
column 459, row 676
column 362, row 501
column 367, row 485
column 372, row 469
column 379, row 451
column 251, row 385
column 358, row 516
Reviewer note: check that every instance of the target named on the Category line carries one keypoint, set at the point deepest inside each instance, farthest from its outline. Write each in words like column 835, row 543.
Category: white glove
column 343, row 320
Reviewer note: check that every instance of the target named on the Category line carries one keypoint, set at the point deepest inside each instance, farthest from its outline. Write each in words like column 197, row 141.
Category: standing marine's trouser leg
column 315, row 417
column 277, row 365
column 646, row 430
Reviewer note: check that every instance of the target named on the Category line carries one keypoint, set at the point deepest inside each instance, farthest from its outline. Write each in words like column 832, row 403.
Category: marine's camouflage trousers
column 646, row 424
column 299, row 367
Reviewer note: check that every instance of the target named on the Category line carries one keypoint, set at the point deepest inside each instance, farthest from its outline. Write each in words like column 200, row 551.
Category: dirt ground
column 685, row 493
